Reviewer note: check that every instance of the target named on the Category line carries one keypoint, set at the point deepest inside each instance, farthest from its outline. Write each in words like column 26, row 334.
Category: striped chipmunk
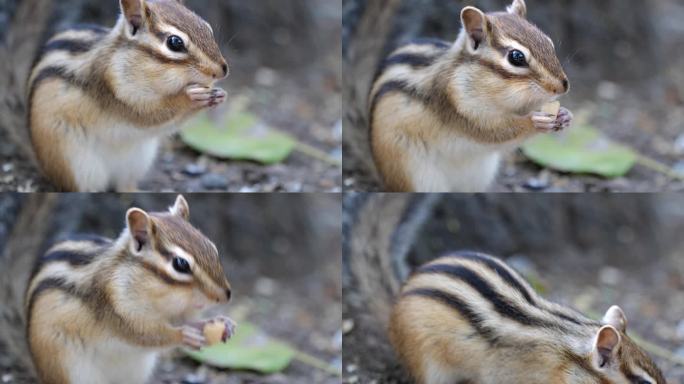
column 100, row 310
column 469, row 318
column 101, row 99
column 442, row 114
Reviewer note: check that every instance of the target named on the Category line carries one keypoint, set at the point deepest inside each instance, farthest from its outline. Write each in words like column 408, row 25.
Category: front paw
column 545, row 122
column 230, row 327
column 207, row 329
column 564, row 119
column 203, row 97
column 193, row 337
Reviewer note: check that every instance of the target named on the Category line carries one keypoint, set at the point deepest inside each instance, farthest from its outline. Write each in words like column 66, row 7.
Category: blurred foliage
column 582, row 149
column 240, row 135
column 250, row 348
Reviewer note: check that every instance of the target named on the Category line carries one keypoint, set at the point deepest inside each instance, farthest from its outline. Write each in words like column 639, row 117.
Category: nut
column 551, row 108
column 213, row 332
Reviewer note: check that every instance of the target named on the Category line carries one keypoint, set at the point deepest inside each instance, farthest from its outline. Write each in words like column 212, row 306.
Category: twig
column 316, row 363
column 317, row 154
column 657, row 166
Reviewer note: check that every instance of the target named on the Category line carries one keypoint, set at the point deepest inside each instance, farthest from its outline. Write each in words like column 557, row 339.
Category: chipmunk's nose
column 222, row 73
column 566, row 85
column 228, row 294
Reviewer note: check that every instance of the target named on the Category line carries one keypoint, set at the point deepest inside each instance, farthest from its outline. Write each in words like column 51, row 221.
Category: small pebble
column 193, row 379
column 347, row 326
column 536, row 184
column 195, row 170
column 214, row 181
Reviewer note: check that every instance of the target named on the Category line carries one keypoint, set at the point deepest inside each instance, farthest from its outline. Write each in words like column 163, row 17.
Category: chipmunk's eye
column 517, row 58
column 181, row 265
column 175, row 43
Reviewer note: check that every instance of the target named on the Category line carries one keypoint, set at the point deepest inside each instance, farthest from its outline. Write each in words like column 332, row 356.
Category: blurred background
column 623, row 59
column 284, row 84
column 588, row 251
column 281, row 254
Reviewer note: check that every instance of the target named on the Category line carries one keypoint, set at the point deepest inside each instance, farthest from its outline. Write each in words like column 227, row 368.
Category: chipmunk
column 442, row 114
column 100, row 99
column 100, row 310
column 469, row 318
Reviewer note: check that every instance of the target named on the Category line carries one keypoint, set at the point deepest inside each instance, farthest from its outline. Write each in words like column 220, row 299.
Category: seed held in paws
column 551, row 108
column 214, row 331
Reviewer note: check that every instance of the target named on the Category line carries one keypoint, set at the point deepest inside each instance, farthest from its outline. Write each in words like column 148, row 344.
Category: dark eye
column 181, row 265
column 175, row 43
column 517, row 58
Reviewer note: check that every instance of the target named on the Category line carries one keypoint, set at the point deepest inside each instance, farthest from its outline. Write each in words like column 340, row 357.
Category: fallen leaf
column 582, row 149
column 249, row 349
column 241, row 136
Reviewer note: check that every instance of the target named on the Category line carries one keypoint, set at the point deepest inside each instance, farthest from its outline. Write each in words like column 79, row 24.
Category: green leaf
column 248, row 349
column 241, row 136
column 582, row 149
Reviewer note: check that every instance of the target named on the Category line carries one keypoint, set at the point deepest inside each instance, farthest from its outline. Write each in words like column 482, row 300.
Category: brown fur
column 174, row 13
column 447, row 325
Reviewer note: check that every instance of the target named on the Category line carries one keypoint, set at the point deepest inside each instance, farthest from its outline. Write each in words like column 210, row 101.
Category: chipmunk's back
column 468, row 317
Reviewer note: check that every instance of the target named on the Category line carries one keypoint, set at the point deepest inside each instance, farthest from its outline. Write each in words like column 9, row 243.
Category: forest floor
column 629, row 119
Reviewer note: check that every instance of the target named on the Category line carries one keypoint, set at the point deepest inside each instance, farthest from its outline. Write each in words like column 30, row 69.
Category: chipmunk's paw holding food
column 193, row 337
column 203, row 97
column 543, row 122
column 219, row 329
column 563, row 120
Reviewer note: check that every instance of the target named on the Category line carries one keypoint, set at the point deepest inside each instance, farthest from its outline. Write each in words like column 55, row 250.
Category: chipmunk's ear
column 181, row 208
column 135, row 12
column 606, row 346
column 475, row 25
column 615, row 317
column 140, row 227
column 518, row 7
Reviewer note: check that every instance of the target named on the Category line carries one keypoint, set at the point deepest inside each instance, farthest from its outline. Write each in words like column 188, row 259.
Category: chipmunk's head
column 512, row 60
column 180, row 269
column 170, row 45
column 614, row 358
